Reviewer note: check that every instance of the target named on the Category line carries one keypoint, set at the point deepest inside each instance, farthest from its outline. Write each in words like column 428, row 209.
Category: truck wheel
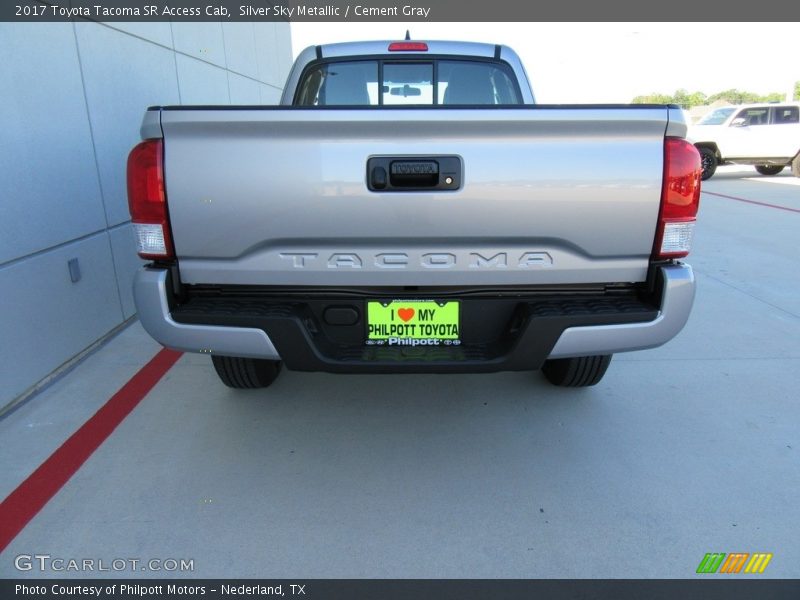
column 769, row 169
column 246, row 373
column 582, row 371
column 708, row 158
column 796, row 165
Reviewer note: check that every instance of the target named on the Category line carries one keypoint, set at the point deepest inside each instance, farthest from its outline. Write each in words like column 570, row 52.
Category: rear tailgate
column 279, row 196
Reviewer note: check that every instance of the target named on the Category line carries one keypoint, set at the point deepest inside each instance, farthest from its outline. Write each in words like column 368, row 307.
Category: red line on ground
column 31, row 495
column 778, row 206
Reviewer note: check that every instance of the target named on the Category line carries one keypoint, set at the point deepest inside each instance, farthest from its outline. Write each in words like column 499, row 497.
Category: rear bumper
column 536, row 329
column 677, row 297
column 151, row 295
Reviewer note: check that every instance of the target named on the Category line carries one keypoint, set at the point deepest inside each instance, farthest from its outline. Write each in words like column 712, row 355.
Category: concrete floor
column 690, row 448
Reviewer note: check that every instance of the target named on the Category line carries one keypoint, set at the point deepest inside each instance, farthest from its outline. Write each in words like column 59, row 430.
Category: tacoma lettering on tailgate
column 429, row 260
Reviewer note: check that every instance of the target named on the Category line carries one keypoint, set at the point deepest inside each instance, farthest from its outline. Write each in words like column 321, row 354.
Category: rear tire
column 246, row 373
column 582, row 371
column 708, row 159
column 769, row 169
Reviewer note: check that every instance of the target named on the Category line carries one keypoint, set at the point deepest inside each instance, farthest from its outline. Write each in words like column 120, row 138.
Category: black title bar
column 705, row 588
column 388, row 11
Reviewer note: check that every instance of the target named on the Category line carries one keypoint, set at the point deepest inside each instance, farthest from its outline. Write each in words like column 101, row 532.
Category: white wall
column 72, row 99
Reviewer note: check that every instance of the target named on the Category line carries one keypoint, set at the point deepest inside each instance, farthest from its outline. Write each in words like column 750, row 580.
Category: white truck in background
column 764, row 135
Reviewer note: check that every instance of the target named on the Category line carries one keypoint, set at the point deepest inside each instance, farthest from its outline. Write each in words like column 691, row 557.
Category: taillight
column 147, row 200
column 680, row 199
column 408, row 47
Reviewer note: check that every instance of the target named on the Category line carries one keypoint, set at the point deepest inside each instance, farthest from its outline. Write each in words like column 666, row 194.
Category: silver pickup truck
column 409, row 208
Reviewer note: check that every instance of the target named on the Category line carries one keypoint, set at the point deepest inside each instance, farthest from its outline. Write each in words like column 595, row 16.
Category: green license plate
column 398, row 321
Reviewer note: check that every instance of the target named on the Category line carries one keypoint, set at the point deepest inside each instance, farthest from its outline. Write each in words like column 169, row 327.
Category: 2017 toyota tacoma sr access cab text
column 410, row 209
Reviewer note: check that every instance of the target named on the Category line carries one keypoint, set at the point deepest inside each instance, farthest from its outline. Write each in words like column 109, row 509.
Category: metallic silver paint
column 370, row 265
column 150, row 295
column 677, row 126
column 151, row 125
column 676, row 304
column 580, row 184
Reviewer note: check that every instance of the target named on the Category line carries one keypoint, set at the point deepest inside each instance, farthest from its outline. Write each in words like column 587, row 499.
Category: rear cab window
column 408, row 82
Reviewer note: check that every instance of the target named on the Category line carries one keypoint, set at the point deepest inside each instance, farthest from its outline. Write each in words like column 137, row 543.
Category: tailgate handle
column 394, row 174
column 414, row 173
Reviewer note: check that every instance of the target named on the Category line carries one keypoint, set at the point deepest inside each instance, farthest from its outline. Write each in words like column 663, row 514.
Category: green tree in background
column 687, row 100
column 680, row 97
column 733, row 96
column 652, row 99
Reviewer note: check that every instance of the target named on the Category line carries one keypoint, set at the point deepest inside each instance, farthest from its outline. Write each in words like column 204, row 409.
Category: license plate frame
column 413, row 322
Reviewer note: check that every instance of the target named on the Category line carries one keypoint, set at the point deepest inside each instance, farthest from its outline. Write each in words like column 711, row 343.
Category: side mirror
column 738, row 122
